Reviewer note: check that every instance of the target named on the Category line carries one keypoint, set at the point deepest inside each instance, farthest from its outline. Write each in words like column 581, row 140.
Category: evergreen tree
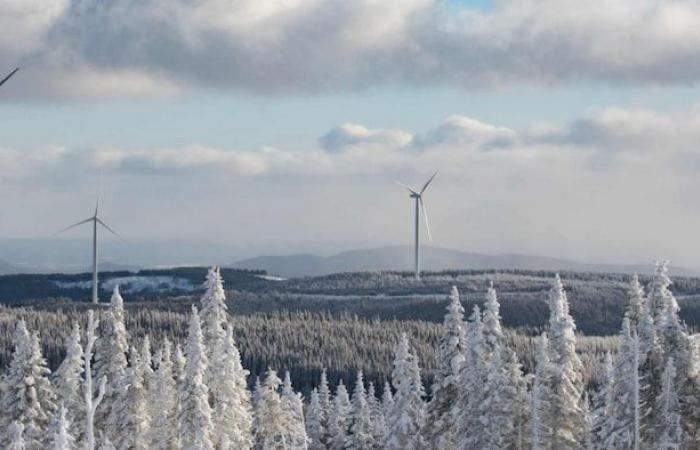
column 623, row 424
column 91, row 402
column 540, row 396
column 132, row 407
column 213, row 314
column 163, row 394
column 360, row 436
column 325, row 402
column 111, row 364
column 314, row 422
column 293, row 410
column 408, row 415
column 472, row 379
column 441, row 429
column 195, row 423
column 15, row 437
column 495, row 412
column 603, row 403
column 565, row 416
column 517, row 394
column 668, row 433
column 27, row 395
column 340, row 417
column 232, row 411
column 378, row 418
column 59, row 433
column 493, row 331
column 637, row 302
column 67, row 381
column 387, row 399
column 272, row 427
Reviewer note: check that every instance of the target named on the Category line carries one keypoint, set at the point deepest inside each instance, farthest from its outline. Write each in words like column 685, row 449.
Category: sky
column 557, row 127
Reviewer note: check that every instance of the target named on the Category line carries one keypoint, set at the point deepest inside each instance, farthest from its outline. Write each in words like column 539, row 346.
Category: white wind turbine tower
column 420, row 205
column 95, row 219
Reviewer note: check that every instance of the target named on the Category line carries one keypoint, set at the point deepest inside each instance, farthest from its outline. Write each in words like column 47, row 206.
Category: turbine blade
column 425, row 186
column 75, row 225
column 409, row 189
column 9, row 76
column 109, row 229
column 425, row 216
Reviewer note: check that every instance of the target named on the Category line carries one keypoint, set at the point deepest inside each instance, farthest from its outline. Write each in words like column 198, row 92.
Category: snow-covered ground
column 134, row 284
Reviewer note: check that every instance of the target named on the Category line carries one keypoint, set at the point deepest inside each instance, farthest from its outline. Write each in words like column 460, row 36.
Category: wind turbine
column 9, row 76
column 420, row 205
column 95, row 219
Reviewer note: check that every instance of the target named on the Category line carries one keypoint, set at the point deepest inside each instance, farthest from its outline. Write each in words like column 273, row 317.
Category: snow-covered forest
column 114, row 391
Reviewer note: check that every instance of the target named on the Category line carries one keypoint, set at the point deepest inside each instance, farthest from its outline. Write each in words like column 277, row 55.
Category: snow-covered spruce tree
column 293, row 409
column 517, row 394
column 360, row 436
column 15, row 437
column 111, row 364
column 314, row 422
column 27, row 395
column 213, row 313
column 59, row 433
column 272, row 427
column 91, row 402
column 565, row 416
column 660, row 296
column 163, row 402
column 495, row 412
column 407, row 418
column 472, row 379
column 194, row 419
column 668, row 431
column 603, row 403
column 68, row 380
column 325, row 401
column 132, row 407
column 231, row 404
column 588, row 440
column 493, row 331
column 540, row 395
column 146, row 363
column 378, row 419
column 340, row 417
column 622, row 428
column 441, row 430
column 387, row 399
column 637, row 302
column 107, row 445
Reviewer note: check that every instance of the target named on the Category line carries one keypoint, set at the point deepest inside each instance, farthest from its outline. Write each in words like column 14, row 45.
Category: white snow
column 134, row 284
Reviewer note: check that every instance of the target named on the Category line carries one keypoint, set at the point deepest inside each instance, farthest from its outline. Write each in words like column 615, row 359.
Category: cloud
column 599, row 140
column 303, row 46
column 351, row 135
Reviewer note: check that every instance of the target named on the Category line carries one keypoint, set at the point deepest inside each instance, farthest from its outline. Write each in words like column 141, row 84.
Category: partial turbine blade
column 404, row 186
column 425, row 186
column 109, row 229
column 425, row 216
column 9, row 76
column 75, row 225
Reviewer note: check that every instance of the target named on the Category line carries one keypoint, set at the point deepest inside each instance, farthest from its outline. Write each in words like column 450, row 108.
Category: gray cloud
column 95, row 48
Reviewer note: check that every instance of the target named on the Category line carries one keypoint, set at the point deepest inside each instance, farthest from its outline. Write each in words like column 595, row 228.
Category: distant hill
column 7, row 268
column 432, row 258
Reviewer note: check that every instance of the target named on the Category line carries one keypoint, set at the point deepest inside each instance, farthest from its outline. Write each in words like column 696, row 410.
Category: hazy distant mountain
column 7, row 268
column 401, row 258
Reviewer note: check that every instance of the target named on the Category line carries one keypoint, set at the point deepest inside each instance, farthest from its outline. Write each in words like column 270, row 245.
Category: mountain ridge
column 432, row 259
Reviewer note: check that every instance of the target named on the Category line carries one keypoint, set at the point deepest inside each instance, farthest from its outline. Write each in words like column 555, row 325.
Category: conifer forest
column 169, row 379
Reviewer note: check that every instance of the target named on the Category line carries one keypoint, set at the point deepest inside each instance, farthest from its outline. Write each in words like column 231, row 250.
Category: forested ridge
column 116, row 388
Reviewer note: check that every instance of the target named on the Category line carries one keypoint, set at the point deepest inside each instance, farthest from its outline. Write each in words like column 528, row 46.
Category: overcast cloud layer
column 95, row 48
